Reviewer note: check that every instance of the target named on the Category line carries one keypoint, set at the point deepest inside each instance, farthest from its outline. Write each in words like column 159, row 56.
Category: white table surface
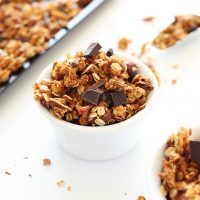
column 25, row 132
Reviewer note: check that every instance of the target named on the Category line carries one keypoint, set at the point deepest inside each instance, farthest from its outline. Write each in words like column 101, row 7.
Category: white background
column 25, row 132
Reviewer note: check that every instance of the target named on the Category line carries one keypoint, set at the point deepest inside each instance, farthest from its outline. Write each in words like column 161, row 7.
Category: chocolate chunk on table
column 117, row 98
column 92, row 96
column 131, row 69
column 98, row 85
column 92, row 50
column 109, row 52
column 194, row 146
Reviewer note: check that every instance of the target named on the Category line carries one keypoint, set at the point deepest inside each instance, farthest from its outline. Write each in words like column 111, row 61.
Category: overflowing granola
column 26, row 26
column 180, row 176
column 94, row 88
column 179, row 29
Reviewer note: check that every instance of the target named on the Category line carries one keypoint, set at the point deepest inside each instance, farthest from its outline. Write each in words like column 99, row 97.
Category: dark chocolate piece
column 98, row 85
column 83, row 3
column 92, row 50
column 195, row 150
column 109, row 52
column 193, row 28
column 131, row 69
column 117, row 98
column 92, row 96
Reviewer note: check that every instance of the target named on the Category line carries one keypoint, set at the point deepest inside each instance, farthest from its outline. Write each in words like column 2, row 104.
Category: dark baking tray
column 60, row 34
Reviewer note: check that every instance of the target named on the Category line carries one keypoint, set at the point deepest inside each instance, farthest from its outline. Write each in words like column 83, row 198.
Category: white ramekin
column 155, row 167
column 105, row 142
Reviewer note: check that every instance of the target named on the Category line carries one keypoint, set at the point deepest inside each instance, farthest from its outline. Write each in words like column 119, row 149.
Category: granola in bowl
column 96, row 99
column 94, row 88
column 180, row 175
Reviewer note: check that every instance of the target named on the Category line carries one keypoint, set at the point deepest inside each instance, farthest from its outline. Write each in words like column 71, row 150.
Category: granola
column 46, row 162
column 148, row 19
column 93, row 91
column 179, row 29
column 180, row 176
column 60, row 183
column 26, row 26
column 123, row 43
column 141, row 198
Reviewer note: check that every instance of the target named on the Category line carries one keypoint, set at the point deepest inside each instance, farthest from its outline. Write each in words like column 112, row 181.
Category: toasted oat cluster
column 180, row 175
column 94, row 88
column 179, row 29
column 141, row 198
column 123, row 43
column 26, row 26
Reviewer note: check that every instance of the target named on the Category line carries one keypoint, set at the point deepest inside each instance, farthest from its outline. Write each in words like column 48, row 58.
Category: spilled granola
column 93, row 90
column 180, row 176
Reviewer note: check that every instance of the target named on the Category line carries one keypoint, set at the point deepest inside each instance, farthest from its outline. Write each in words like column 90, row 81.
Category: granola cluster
column 180, row 175
column 176, row 31
column 93, row 91
column 123, row 43
column 26, row 26
column 141, row 198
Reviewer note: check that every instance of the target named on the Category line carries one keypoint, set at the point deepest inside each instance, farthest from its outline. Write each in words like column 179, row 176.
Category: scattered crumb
column 153, row 69
column 125, row 193
column 25, row 158
column 8, row 173
column 173, row 81
column 123, row 43
column 175, row 66
column 141, row 198
column 69, row 188
column 29, row 175
column 134, row 53
column 148, row 19
column 60, row 183
column 46, row 162
column 144, row 49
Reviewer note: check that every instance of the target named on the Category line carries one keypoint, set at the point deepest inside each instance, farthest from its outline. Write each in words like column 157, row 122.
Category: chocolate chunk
column 92, row 96
column 98, row 85
column 92, row 50
column 195, row 150
column 83, row 3
column 109, row 52
column 192, row 28
column 117, row 98
column 131, row 69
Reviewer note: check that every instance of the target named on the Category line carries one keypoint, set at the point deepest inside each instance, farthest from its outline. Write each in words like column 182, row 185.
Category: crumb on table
column 123, row 43
column 148, row 19
column 46, row 162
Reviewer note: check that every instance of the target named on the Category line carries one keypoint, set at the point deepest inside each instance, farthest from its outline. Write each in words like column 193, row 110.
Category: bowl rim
column 133, row 119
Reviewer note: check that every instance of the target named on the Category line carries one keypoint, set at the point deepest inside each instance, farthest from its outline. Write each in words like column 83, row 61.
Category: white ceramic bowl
column 105, row 142
column 155, row 166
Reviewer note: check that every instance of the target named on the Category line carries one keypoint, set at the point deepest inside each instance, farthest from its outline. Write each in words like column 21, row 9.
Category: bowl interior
column 155, row 166
column 143, row 69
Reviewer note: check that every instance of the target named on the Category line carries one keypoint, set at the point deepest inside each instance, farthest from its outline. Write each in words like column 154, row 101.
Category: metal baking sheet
column 60, row 34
